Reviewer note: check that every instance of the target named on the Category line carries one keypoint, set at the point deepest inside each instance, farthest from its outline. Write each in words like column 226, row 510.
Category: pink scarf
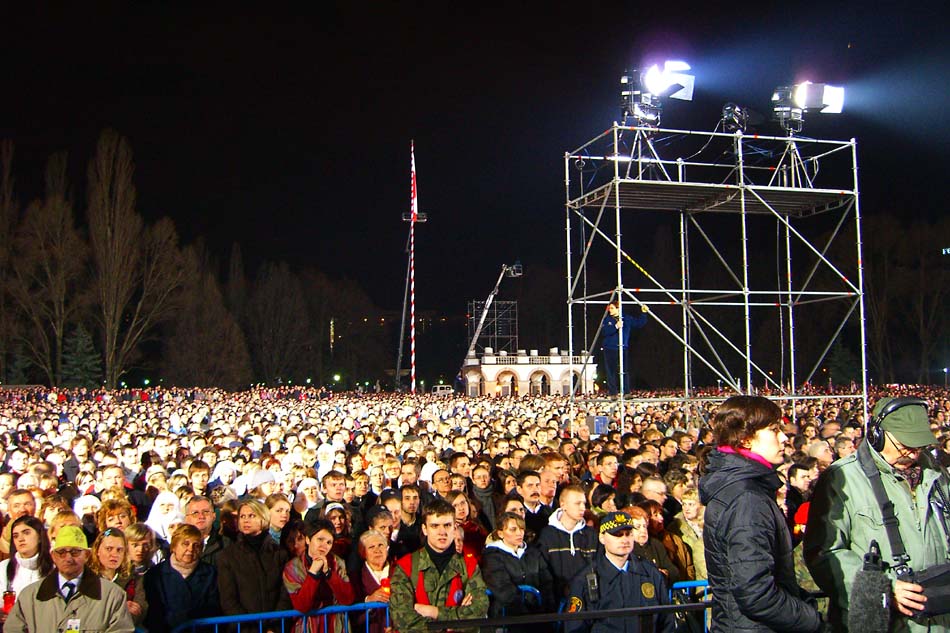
column 747, row 454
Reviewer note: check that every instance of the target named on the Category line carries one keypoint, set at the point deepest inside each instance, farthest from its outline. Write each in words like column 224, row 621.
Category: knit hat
column 70, row 536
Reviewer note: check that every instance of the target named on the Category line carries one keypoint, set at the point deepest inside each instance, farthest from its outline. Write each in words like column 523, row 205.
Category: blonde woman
column 109, row 559
column 688, row 524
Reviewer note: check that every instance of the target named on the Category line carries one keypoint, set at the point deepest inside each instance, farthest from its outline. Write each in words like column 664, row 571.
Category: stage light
column 735, row 118
column 822, row 97
column 790, row 103
column 640, row 93
column 657, row 81
column 789, row 114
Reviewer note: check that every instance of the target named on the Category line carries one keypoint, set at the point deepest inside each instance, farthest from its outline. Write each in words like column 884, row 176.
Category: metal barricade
column 686, row 592
column 286, row 619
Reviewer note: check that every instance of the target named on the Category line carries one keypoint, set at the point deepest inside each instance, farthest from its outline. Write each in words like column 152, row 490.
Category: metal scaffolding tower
column 500, row 330
column 767, row 270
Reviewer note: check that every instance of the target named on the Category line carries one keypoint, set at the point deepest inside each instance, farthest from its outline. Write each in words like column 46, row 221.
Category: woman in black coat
column 181, row 587
column 748, row 547
column 507, row 562
column 250, row 570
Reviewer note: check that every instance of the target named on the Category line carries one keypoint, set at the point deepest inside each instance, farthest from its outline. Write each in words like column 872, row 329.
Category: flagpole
column 413, row 217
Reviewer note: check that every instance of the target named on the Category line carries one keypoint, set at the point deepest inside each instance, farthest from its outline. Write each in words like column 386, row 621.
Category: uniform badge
column 576, row 605
column 648, row 590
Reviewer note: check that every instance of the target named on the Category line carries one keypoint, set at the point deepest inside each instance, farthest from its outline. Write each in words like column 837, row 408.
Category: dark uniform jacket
column 749, row 550
column 641, row 585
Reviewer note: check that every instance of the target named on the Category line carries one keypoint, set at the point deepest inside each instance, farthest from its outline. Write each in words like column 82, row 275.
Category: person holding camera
column 889, row 496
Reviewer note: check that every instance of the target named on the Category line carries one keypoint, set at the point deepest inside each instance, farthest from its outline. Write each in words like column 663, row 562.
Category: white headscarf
column 160, row 521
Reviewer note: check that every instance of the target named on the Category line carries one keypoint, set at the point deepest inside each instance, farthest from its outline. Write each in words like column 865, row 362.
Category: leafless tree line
column 155, row 303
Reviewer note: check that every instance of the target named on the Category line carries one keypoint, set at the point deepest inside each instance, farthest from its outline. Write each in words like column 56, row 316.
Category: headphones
column 874, row 433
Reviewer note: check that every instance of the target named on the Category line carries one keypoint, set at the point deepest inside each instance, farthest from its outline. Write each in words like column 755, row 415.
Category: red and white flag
column 414, row 192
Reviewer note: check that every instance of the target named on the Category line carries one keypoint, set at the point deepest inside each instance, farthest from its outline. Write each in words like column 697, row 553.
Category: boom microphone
column 870, row 608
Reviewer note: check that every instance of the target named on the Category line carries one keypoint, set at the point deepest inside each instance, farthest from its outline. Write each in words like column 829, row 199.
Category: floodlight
column 821, row 97
column 640, row 93
column 789, row 103
column 657, row 81
column 735, row 118
column 789, row 114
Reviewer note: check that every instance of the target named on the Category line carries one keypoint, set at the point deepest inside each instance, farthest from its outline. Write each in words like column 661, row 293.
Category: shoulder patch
column 575, row 605
column 648, row 590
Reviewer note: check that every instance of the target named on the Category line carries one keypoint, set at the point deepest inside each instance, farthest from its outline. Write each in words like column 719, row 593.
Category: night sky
column 289, row 131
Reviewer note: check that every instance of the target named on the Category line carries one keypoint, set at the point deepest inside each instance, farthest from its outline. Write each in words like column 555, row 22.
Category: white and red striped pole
column 414, row 212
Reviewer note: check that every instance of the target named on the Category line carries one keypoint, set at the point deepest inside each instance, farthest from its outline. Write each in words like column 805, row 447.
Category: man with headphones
column 890, row 491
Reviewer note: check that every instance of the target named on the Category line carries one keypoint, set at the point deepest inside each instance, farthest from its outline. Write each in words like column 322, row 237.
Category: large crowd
column 195, row 503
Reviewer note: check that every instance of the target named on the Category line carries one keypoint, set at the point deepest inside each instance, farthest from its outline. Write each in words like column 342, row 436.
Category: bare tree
column 137, row 270
column 48, row 270
column 277, row 323
column 926, row 307
column 206, row 347
column 881, row 247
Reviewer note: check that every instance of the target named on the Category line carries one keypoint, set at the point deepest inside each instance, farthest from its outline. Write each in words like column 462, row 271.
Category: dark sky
column 289, row 131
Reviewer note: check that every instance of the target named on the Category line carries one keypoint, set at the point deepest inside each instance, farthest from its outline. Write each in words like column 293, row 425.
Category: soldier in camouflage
column 436, row 582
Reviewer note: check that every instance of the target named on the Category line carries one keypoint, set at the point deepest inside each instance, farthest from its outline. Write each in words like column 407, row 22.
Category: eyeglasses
column 201, row 513
column 72, row 552
column 906, row 451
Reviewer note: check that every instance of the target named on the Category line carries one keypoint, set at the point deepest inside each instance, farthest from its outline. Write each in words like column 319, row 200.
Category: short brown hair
column 504, row 519
column 438, row 508
column 740, row 417
column 184, row 531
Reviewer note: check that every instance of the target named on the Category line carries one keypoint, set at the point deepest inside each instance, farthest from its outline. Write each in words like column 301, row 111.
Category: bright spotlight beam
column 658, row 81
column 821, row 97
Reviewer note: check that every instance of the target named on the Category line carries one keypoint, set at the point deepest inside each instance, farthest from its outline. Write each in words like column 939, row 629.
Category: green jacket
column 845, row 517
column 403, row 597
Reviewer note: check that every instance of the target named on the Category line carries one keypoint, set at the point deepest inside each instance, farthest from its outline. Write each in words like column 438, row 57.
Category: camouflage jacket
column 403, row 598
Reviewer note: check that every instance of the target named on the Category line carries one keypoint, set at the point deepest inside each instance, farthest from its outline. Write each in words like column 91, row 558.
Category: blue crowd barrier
column 688, row 586
column 286, row 619
column 525, row 591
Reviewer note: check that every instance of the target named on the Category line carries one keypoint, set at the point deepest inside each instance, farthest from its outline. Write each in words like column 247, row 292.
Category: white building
column 525, row 373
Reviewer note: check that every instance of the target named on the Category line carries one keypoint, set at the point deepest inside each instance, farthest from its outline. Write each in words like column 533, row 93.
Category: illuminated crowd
column 176, row 492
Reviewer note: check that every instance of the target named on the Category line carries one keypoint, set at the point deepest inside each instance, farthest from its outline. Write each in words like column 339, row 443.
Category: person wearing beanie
column 70, row 597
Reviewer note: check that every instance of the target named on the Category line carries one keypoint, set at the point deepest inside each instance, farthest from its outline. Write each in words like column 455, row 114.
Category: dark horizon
column 289, row 134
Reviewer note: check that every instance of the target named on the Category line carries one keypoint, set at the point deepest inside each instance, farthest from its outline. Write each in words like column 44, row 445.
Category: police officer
column 617, row 579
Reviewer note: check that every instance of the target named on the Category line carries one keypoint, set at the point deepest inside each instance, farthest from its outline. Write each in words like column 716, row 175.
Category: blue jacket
column 173, row 599
column 611, row 335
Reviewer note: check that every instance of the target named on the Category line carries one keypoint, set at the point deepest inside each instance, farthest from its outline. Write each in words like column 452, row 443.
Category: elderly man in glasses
column 71, row 598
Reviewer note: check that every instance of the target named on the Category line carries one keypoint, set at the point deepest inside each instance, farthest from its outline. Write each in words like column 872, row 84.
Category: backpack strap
column 891, row 523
